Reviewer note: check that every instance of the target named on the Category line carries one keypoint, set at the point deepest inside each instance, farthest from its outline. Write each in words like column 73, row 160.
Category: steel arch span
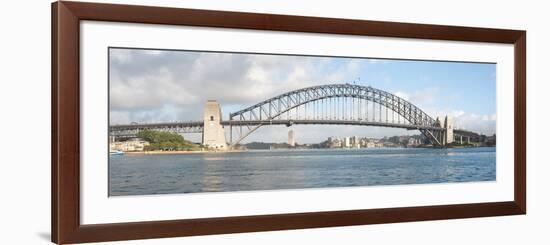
column 336, row 104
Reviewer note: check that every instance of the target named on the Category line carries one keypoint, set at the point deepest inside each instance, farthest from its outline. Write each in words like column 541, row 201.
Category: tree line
column 166, row 141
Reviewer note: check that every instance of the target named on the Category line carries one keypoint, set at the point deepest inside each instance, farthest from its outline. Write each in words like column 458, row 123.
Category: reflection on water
column 296, row 169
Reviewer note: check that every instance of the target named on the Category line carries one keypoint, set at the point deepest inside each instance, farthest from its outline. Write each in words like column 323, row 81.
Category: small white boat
column 116, row 153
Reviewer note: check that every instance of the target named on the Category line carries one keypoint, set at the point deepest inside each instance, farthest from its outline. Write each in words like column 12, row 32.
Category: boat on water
column 116, row 153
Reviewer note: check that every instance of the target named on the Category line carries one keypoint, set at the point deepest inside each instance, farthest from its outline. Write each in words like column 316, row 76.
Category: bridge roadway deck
column 157, row 125
column 326, row 122
column 237, row 123
column 466, row 133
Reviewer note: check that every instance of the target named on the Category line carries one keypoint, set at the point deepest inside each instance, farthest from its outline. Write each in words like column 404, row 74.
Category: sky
column 166, row 86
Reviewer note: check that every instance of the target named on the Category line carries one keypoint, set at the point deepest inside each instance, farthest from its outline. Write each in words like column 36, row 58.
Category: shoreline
column 251, row 150
column 176, row 152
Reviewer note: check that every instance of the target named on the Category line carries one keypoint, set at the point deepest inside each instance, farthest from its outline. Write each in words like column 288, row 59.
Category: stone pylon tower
column 449, row 134
column 213, row 134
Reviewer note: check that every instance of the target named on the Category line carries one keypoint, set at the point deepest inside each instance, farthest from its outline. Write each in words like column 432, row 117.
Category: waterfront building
column 129, row 145
column 413, row 142
column 354, row 141
column 336, row 143
column 346, row 143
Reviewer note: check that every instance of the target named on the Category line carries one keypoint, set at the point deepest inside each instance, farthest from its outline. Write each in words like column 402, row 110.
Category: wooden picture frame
column 65, row 169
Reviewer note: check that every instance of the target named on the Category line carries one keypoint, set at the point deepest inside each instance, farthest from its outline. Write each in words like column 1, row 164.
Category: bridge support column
column 449, row 133
column 213, row 135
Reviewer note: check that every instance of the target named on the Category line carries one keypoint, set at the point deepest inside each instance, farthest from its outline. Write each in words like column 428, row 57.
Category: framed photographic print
column 176, row 122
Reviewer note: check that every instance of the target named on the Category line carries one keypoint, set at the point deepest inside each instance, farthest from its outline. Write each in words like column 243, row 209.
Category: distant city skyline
column 161, row 86
column 340, row 137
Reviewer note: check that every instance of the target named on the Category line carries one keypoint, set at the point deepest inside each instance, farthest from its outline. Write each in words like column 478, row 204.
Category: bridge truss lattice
column 344, row 104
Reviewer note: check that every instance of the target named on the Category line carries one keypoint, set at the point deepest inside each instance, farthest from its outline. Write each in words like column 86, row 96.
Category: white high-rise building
column 355, row 142
column 291, row 140
column 347, row 142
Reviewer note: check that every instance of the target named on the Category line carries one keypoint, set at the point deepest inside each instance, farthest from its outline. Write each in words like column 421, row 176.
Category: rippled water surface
column 296, row 169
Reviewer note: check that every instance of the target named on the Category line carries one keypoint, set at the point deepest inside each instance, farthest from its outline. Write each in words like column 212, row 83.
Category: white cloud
column 422, row 98
column 485, row 124
column 458, row 113
column 154, row 52
column 120, row 55
column 378, row 61
column 142, row 80
column 402, row 95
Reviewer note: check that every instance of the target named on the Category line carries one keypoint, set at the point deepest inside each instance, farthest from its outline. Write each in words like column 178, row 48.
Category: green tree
column 166, row 141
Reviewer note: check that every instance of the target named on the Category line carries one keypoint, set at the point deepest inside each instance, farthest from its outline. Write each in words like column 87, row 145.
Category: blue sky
column 160, row 86
column 466, row 86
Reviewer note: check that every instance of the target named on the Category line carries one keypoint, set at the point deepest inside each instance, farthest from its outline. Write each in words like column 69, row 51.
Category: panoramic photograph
column 185, row 121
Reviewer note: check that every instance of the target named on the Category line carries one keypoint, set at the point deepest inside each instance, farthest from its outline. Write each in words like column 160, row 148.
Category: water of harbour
column 296, row 169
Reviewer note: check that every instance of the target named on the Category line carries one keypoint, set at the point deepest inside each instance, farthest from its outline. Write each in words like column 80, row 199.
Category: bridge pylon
column 449, row 130
column 213, row 135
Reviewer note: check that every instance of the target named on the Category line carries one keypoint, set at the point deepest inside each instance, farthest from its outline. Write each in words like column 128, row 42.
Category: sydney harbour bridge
column 333, row 104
